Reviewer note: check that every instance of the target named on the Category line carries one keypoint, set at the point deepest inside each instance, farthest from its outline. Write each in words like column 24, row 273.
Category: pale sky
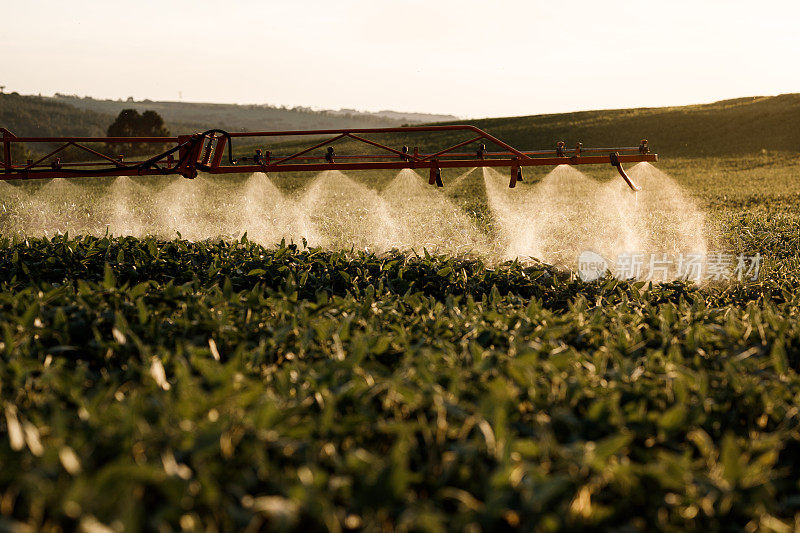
column 467, row 58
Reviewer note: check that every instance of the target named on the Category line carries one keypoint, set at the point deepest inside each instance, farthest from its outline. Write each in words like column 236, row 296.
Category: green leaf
column 109, row 281
column 673, row 417
column 139, row 289
column 381, row 345
column 778, row 356
column 611, row 445
column 731, row 459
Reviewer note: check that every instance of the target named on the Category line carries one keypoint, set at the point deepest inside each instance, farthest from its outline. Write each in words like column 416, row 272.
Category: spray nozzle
column 614, row 158
column 516, row 175
column 436, row 177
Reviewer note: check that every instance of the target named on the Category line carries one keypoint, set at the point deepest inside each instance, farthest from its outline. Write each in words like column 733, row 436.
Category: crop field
column 175, row 384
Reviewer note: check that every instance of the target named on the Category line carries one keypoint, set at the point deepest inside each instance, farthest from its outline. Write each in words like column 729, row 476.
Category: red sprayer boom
column 188, row 154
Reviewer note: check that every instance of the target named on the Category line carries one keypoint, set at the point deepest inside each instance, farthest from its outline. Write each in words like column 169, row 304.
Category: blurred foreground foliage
column 149, row 384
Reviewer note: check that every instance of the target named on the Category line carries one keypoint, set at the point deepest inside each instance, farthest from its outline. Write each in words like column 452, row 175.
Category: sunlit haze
column 467, row 58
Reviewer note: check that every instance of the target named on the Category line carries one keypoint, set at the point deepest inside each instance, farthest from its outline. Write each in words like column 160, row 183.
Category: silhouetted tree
column 126, row 124
column 129, row 123
column 153, row 125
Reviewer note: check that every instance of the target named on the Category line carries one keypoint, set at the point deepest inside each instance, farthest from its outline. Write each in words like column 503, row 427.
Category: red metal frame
column 205, row 152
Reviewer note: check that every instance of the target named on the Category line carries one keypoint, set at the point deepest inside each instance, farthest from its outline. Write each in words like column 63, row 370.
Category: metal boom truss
column 186, row 155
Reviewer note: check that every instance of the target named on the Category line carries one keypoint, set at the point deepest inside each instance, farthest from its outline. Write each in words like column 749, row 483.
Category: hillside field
column 65, row 115
column 728, row 128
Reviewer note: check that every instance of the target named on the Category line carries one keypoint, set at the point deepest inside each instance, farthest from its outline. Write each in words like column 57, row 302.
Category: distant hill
column 409, row 118
column 191, row 116
column 34, row 116
column 728, row 127
column 64, row 115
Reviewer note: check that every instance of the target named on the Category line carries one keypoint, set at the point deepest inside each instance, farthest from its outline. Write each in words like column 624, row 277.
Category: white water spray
column 567, row 213
column 427, row 219
column 345, row 214
column 552, row 220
